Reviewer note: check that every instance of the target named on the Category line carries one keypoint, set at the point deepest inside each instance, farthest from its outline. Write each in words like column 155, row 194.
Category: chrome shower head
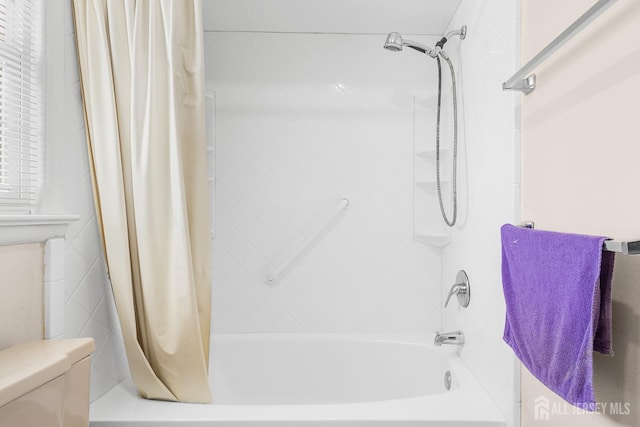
column 393, row 42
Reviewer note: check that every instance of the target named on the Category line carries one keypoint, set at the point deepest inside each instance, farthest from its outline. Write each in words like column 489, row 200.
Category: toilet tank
column 46, row 383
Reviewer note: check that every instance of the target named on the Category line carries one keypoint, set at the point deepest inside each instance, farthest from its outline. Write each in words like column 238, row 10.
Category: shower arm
column 462, row 32
column 439, row 49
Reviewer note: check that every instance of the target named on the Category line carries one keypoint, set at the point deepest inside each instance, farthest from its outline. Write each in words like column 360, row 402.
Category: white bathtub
column 269, row 380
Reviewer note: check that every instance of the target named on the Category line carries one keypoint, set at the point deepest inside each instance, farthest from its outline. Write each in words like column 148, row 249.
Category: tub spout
column 452, row 338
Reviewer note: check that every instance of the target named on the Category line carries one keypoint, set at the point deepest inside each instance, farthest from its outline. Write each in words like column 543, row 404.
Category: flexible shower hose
column 451, row 222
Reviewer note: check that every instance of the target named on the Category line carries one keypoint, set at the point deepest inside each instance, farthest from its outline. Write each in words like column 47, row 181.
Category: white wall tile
column 76, row 267
column 90, row 291
column 75, row 319
column 100, row 383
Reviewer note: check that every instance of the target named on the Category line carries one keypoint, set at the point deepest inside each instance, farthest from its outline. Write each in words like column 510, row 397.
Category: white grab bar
column 298, row 246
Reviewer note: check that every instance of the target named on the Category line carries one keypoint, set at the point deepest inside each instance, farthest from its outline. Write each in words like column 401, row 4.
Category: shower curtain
column 142, row 77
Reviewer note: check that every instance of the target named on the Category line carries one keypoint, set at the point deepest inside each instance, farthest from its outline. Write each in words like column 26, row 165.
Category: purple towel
column 557, row 288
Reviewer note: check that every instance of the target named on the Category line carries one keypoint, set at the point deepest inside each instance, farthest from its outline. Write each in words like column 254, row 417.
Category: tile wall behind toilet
column 303, row 120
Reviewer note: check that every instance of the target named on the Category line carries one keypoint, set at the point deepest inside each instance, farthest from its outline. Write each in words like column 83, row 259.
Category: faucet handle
column 461, row 289
column 455, row 290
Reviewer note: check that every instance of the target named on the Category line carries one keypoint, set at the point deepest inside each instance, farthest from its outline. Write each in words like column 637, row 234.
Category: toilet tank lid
column 27, row 366
column 76, row 349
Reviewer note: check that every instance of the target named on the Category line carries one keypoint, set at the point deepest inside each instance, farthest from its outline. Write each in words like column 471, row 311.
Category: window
column 21, row 103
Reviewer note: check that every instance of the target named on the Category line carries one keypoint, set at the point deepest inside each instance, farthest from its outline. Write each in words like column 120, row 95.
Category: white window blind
column 21, row 103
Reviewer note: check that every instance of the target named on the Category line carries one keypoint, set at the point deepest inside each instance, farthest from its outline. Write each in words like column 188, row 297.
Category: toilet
column 46, row 383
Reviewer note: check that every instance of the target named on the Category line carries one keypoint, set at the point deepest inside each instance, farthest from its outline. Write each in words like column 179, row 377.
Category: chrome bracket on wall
column 526, row 85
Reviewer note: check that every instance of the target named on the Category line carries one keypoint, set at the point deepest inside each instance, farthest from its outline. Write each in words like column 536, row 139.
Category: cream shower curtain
column 142, row 75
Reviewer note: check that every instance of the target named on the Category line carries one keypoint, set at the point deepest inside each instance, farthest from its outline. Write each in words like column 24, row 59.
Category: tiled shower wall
column 89, row 307
column 303, row 120
column 489, row 191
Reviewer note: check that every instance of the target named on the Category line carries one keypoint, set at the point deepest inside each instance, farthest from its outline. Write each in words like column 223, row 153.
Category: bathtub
column 315, row 380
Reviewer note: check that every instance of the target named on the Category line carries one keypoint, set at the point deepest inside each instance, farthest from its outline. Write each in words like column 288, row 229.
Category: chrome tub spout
column 451, row 338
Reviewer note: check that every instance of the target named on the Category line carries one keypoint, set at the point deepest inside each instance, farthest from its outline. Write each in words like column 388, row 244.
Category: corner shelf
column 431, row 186
column 433, row 240
column 428, row 226
column 430, row 154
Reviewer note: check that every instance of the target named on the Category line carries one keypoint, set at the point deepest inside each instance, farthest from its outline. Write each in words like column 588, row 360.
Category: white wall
column 489, row 192
column 89, row 307
column 303, row 120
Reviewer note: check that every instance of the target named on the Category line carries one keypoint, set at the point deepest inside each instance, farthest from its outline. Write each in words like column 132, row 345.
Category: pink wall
column 579, row 172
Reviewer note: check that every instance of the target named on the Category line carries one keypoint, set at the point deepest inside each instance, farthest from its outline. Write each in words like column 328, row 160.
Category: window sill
column 19, row 229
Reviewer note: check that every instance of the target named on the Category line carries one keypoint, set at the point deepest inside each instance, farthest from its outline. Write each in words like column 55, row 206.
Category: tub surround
column 320, row 121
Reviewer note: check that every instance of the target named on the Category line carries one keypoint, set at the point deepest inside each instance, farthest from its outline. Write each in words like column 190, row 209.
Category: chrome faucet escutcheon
column 461, row 289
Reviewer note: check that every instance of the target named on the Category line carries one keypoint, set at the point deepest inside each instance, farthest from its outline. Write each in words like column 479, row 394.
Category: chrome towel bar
column 525, row 82
column 628, row 247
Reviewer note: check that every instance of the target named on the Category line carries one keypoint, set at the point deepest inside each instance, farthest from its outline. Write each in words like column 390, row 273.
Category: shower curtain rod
column 627, row 247
column 526, row 83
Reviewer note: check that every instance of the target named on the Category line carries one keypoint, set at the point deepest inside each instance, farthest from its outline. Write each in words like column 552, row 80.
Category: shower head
column 395, row 43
